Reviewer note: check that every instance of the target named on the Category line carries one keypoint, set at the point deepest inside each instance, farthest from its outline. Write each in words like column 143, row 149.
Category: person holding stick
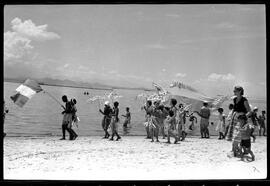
column 67, row 118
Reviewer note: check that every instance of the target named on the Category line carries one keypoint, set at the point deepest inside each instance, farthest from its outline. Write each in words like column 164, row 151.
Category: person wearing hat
column 240, row 107
column 204, row 123
column 107, row 118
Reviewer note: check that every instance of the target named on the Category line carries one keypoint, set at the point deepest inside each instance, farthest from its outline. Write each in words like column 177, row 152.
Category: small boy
column 171, row 127
column 127, row 118
column 245, row 130
column 192, row 119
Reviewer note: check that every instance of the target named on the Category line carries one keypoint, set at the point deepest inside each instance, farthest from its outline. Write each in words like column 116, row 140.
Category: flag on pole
column 160, row 90
column 25, row 92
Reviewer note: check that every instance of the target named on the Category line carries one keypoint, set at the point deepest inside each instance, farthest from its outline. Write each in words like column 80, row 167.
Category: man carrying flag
column 25, row 92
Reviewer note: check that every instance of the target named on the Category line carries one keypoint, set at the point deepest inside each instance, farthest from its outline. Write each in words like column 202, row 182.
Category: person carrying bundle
column 107, row 118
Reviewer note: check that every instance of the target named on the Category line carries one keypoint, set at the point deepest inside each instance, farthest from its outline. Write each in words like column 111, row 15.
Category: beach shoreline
column 131, row 158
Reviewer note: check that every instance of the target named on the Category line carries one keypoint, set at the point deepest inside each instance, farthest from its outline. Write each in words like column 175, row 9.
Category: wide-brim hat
column 107, row 103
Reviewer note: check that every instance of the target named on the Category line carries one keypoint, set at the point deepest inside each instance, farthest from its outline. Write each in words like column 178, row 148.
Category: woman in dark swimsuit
column 241, row 107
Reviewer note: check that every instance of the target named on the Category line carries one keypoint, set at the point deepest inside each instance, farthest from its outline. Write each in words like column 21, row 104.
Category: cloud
column 221, row 77
column 181, row 75
column 29, row 30
column 17, row 43
column 16, row 46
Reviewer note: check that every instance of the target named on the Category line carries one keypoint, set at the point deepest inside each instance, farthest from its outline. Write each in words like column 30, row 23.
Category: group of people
column 238, row 126
column 169, row 121
column 69, row 118
column 111, row 119
column 242, row 123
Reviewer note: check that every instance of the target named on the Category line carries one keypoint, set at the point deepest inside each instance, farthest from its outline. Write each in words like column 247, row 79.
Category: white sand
column 131, row 158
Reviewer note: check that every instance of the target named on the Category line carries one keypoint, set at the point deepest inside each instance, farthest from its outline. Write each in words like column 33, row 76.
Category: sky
column 209, row 47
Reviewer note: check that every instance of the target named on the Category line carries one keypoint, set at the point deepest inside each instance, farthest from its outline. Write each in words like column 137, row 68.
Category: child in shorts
column 127, row 117
column 171, row 121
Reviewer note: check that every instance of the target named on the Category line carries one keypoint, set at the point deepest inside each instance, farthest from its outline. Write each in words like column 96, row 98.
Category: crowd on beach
column 169, row 121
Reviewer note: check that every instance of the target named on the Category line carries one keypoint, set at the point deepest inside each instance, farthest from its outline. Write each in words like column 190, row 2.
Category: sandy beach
column 131, row 158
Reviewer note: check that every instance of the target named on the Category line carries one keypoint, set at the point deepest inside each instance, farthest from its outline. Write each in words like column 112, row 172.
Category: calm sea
column 41, row 115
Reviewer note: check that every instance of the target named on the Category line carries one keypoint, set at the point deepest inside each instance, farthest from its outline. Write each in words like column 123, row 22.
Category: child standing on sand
column 229, row 119
column 221, row 124
column 171, row 124
column 163, row 114
column 180, row 121
column 245, row 130
column 127, row 118
column 192, row 119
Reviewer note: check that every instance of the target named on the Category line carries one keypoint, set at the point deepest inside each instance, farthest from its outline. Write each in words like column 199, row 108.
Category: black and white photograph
column 134, row 92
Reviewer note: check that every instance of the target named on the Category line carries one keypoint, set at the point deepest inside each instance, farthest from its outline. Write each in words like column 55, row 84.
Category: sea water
column 41, row 115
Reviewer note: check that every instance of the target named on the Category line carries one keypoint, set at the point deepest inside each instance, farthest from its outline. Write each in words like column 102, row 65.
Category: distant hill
column 69, row 83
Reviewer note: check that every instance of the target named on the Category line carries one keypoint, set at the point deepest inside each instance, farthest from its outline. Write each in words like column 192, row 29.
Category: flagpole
column 53, row 98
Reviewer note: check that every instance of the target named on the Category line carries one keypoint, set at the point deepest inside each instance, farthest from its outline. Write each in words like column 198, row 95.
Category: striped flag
column 25, row 92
